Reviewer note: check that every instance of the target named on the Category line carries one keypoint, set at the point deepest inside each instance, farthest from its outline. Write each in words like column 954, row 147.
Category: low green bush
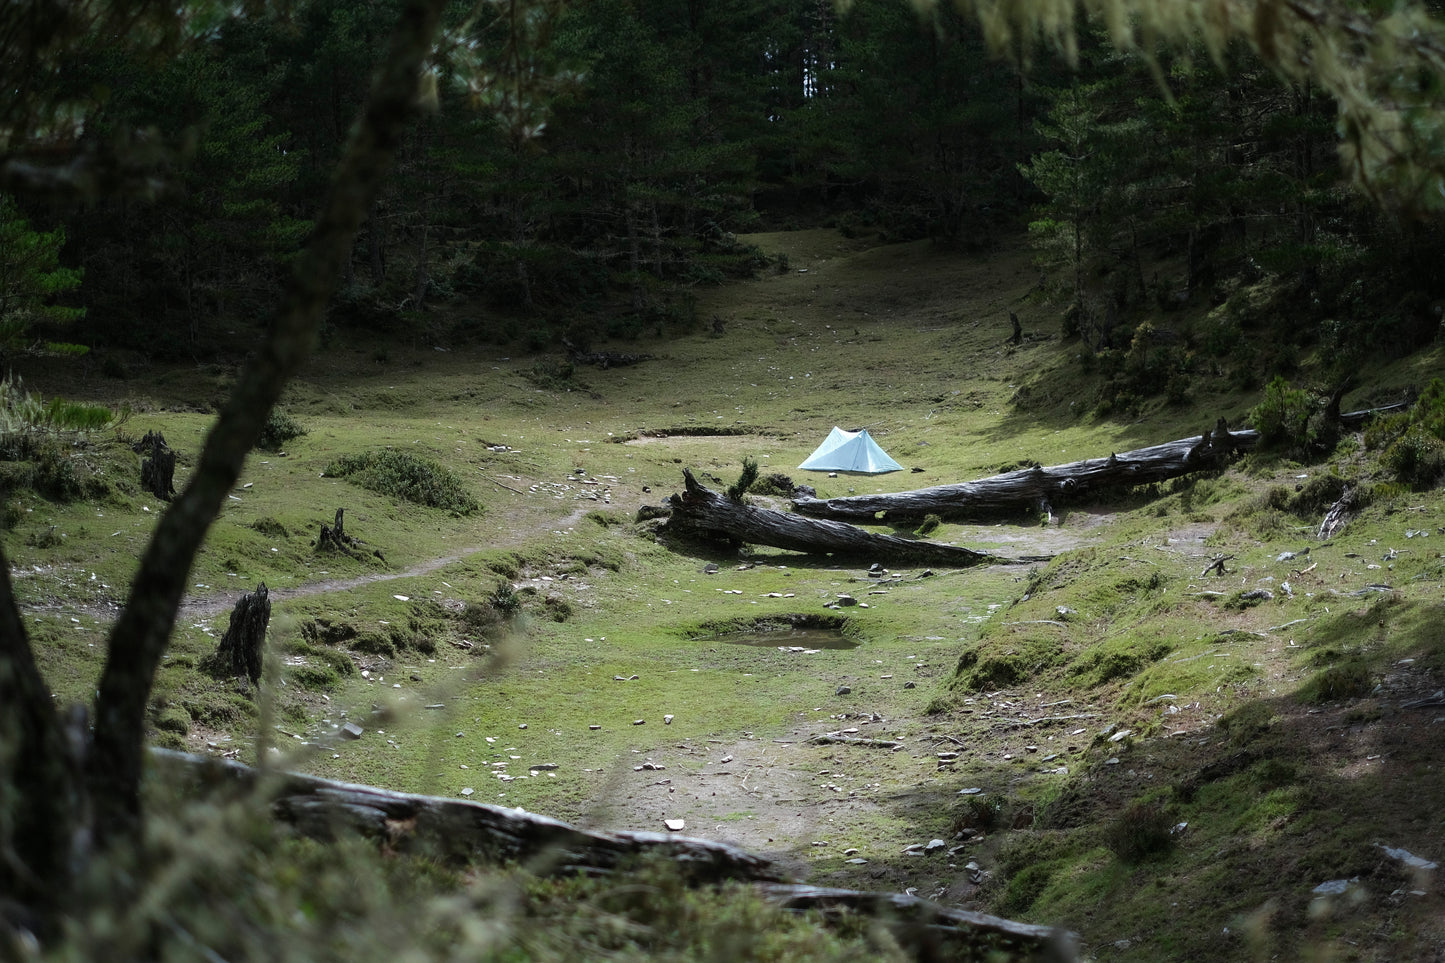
column 410, row 477
column 279, row 429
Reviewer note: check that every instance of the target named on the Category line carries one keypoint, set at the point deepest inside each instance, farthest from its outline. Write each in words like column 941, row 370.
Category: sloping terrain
column 1166, row 758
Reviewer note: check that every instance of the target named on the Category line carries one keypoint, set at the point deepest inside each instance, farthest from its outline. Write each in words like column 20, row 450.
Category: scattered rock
column 594, row 727
column 842, row 690
column 542, row 767
column 351, row 731
column 1409, row 858
column 667, row 720
column 468, row 791
column 934, row 845
column 910, row 685
column 857, row 861
column 675, row 825
column 521, row 725
column 710, row 568
column 639, row 722
column 846, row 600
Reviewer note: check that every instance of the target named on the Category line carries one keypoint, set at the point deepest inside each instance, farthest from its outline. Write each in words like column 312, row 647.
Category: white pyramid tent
column 850, row 451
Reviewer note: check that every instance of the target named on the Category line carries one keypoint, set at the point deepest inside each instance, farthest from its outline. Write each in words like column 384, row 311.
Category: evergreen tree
column 31, row 278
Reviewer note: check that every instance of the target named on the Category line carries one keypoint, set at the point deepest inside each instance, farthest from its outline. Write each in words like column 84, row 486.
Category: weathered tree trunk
column 333, row 538
column 700, row 509
column 466, row 831
column 1038, row 488
column 65, row 793
column 241, row 647
column 158, row 466
column 1041, row 488
column 931, row 931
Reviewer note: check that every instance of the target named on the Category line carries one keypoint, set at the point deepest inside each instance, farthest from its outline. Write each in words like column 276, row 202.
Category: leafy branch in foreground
column 1384, row 71
column 60, row 794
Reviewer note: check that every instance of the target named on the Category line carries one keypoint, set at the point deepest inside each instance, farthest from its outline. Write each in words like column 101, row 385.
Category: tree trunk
column 141, row 633
column 701, row 510
column 1038, row 488
column 469, row 832
column 241, row 647
column 48, row 775
column 157, row 466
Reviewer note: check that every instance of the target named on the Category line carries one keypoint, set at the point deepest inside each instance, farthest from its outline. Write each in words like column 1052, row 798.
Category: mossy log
column 699, row 509
column 1038, row 488
column 473, row 832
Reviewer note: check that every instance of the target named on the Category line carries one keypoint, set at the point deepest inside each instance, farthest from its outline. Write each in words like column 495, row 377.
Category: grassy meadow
column 1163, row 760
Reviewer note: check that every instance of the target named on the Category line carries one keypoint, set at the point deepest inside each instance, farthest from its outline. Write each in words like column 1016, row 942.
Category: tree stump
column 240, row 650
column 158, row 466
column 333, row 538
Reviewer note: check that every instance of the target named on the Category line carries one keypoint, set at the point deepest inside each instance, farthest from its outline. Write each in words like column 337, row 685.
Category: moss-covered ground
column 1166, row 760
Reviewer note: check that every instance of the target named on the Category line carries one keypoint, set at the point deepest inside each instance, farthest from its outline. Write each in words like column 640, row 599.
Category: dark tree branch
column 140, row 635
column 39, row 812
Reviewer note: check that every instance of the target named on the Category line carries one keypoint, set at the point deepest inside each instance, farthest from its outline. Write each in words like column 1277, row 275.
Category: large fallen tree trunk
column 1037, row 488
column 1041, row 489
column 700, row 510
column 457, row 829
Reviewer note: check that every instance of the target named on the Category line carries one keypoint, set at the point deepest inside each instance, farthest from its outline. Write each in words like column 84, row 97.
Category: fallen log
column 477, row 832
column 929, row 927
column 1041, row 488
column 700, row 510
column 458, row 829
column 1037, row 488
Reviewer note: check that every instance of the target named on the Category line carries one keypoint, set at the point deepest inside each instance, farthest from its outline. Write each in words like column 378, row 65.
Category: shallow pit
column 800, row 633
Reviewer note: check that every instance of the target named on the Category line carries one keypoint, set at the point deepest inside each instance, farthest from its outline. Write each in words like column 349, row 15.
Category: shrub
column 745, row 481
column 775, row 484
column 279, row 429
column 409, row 477
column 1282, row 418
column 1417, row 458
column 929, row 525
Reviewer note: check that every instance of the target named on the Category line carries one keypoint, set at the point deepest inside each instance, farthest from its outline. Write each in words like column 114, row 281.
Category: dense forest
column 608, row 172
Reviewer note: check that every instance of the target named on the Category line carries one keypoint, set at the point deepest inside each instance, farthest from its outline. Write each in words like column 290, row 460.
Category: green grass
column 1120, row 631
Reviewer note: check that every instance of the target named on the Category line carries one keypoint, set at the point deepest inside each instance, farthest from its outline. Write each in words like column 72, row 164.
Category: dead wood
column 1338, row 515
column 930, row 930
column 472, row 832
column 829, row 738
column 240, row 650
column 700, row 510
column 157, row 466
column 333, row 538
column 458, row 829
column 1038, row 488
